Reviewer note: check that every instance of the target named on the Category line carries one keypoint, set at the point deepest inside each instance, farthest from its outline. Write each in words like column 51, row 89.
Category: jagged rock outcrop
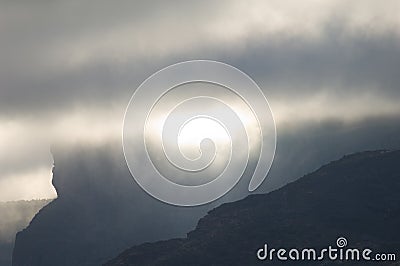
column 99, row 211
column 356, row 197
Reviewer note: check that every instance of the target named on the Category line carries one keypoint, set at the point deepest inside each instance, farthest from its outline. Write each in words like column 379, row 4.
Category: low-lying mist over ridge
column 98, row 201
column 301, row 148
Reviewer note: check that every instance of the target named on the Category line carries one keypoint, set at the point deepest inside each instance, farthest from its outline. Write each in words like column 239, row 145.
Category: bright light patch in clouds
column 68, row 68
column 198, row 129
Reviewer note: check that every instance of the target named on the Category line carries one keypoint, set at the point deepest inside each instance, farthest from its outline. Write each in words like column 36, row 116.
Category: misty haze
column 330, row 71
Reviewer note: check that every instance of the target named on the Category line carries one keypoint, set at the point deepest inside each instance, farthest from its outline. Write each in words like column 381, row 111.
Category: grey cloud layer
column 62, row 54
column 68, row 69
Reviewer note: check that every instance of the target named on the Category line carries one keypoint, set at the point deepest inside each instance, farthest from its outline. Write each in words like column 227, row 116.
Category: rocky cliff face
column 356, row 197
column 14, row 216
column 99, row 211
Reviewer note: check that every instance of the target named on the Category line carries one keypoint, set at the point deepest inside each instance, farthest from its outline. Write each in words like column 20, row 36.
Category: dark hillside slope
column 357, row 197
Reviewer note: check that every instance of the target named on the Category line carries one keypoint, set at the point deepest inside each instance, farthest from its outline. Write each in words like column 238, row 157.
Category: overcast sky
column 68, row 68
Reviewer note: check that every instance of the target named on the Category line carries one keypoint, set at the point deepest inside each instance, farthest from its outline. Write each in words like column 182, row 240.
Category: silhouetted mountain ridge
column 356, row 197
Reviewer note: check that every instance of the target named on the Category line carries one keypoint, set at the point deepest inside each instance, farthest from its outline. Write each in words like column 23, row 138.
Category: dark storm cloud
column 345, row 67
column 58, row 56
